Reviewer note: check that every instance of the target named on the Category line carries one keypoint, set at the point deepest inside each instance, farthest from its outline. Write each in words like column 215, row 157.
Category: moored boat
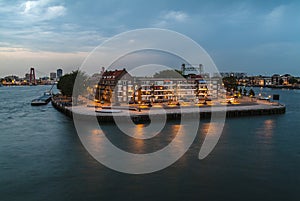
column 43, row 100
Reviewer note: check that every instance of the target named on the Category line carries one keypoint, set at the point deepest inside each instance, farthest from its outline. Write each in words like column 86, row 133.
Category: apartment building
column 120, row 86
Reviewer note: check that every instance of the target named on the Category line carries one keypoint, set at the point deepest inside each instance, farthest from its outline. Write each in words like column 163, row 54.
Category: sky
column 256, row 37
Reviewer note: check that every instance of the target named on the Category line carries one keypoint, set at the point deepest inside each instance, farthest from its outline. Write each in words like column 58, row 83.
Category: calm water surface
column 41, row 158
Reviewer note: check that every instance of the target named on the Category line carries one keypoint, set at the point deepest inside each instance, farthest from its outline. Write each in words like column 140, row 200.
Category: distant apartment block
column 52, row 76
column 262, row 81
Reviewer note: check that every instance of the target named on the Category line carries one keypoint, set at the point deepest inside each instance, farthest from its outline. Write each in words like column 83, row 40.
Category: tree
column 251, row 93
column 280, row 81
column 66, row 84
column 230, row 83
column 240, row 91
column 293, row 80
column 245, row 92
column 168, row 74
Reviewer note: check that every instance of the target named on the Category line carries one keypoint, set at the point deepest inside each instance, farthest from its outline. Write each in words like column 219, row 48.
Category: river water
column 42, row 158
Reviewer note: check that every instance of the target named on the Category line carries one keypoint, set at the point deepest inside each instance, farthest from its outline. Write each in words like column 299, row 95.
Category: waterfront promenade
column 246, row 107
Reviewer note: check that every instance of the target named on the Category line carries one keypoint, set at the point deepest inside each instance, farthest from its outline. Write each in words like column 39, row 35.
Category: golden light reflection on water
column 95, row 138
column 175, row 128
column 204, row 127
column 269, row 127
column 178, row 130
column 179, row 142
column 139, row 143
column 96, row 132
column 141, row 146
column 266, row 129
column 209, row 128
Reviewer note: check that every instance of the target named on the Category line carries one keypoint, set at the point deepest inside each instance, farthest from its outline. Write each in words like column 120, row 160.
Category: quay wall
column 140, row 118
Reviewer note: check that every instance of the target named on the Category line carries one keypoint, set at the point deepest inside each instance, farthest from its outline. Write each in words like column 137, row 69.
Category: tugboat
column 43, row 100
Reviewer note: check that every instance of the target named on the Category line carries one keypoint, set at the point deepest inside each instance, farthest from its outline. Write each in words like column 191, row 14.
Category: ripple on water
column 23, row 114
column 297, row 91
column 42, row 147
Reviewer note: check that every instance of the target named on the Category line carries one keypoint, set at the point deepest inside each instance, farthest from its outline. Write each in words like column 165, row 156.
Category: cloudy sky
column 257, row 37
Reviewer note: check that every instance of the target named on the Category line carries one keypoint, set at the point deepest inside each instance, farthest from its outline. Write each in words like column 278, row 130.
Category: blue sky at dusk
column 257, row 37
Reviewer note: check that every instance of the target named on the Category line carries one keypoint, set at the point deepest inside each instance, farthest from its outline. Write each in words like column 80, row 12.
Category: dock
column 205, row 112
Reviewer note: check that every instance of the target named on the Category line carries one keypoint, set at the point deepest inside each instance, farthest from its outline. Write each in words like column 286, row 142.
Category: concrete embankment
column 85, row 112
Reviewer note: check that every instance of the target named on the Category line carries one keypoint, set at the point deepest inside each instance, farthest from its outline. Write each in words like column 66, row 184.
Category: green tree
column 245, row 92
column 66, row 84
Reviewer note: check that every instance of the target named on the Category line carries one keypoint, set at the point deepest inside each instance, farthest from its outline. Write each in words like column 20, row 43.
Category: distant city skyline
column 255, row 37
column 59, row 72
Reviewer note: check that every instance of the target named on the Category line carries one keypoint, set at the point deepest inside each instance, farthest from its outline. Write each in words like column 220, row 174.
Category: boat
column 109, row 111
column 264, row 96
column 43, row 100
column 267, row 98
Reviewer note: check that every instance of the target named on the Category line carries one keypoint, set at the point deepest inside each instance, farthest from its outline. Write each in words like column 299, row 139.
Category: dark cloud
column 249, row 36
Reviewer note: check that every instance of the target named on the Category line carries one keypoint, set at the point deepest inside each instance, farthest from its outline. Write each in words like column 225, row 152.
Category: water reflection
column 95, row 137
column 96, row 132
column 170, row 133
column 179, row 141
column 265, row 131
column 136, row 144
column 139, row 142
column 109, row 144
column 210, row 128
column 268, row 127
column 124, row 151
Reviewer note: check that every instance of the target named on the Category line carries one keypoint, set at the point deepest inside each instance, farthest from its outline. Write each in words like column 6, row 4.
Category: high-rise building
column 52, row 76
column 59, row 73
